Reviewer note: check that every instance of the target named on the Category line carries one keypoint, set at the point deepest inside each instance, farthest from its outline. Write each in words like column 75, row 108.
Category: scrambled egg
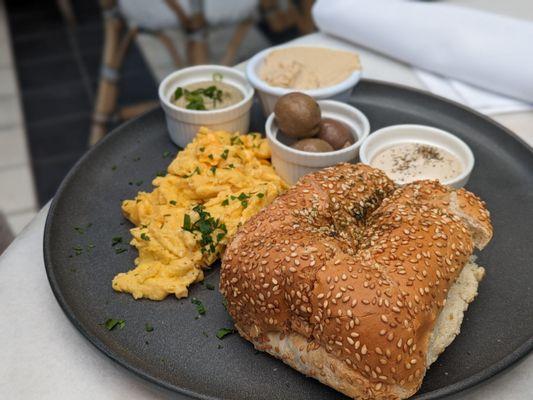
column 212, row 187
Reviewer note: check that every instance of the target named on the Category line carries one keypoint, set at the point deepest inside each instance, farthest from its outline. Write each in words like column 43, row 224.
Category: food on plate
column 307, row 67
column 312, row 145
column 213, row 186
column 408, row 162
column 297, row 115
column 207, row 95
column 355, row 281
column 336, row 133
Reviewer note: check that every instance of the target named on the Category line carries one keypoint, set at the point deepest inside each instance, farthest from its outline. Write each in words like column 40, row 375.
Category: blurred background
column 70, row 70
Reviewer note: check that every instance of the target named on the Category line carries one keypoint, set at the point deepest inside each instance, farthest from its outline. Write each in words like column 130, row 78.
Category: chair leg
column 238, row 36
column 167, row 42
column 65, row 7
column 115, row 49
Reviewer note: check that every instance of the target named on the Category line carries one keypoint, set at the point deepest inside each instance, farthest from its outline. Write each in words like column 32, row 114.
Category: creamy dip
column 206, row 95
column 307, row 67
column 408, row 162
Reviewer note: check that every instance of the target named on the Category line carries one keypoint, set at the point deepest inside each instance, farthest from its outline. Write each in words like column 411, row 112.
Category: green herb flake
column 200, row 308
column 137, row 159
column 78, row 250
column 166, row 154
column 236, row 140
column 225, row 304
column 244, row 204
column 145, row 237
column 224, row 154
column 148, row 327
column 196, row 171
column 187, row 222
column 173, row 202
column 260, row 195
column 112, row 323
column 225, row 202
column 202, row 149
column 213, row 169
column 178, row 93
column 210, row 156
column 139, row 183
column 119, row 250
column 223, row 332
column 114, row 168
column 208, row 286
column 116, row 240
column 162, row 173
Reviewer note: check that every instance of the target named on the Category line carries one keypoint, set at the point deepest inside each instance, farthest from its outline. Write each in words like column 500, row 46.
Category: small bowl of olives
column 306, row 135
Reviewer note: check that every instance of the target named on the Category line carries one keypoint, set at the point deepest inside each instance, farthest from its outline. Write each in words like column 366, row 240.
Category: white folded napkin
column 490, row 51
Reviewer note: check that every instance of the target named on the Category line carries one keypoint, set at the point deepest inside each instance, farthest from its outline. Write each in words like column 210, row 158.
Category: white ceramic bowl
column 183, row 124
column 268, row 95
column 427, row 135
column 291, row 163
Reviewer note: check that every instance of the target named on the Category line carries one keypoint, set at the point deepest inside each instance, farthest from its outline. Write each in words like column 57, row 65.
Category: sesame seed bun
column 345, row 275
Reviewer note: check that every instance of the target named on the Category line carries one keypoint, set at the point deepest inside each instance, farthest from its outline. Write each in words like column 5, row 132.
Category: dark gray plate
column 183, row 354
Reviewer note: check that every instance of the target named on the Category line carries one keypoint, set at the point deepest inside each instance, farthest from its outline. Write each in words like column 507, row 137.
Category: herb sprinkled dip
column 207, row 95
column 408, row 162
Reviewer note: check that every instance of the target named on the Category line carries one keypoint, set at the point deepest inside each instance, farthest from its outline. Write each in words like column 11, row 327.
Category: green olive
column 297, row 115
column 313, row 145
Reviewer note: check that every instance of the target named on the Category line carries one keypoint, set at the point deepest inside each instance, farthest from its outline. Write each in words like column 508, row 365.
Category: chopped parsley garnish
column 225, row 202
column 224, row 154
column 225, row 304
column 223, row 332
column 111, row 324
column 139, row 183
column 210, row 156
column 213, row 169
column 113, row 168
column 260, row 195
column 231, row 166
column 206, row 226
column 236, row 140
column 243, row 196
column 195, row 98
column 81, row 230
column 200, row 308
column 178, row 93
column 166, row 154
column 208, row 286
column 137, row 159
column 202, row 149
column 144, row 236
column 116, row 240
column 78, row 250
column 162, row 173
column 196, row 171
column 119, row 251
column 244, row 204
column 173, row 202
column 148, row 327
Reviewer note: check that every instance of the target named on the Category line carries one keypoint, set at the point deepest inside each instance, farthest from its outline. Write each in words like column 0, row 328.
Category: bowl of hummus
column 211, row 96
column 277, row 71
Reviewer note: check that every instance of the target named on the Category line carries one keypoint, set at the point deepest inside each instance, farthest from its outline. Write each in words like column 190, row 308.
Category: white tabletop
column 42, row 355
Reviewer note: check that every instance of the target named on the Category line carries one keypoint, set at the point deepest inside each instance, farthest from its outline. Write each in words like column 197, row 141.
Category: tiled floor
column 17, row 195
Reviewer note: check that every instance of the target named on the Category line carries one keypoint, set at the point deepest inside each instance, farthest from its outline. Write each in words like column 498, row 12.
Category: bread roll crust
column 346, row 275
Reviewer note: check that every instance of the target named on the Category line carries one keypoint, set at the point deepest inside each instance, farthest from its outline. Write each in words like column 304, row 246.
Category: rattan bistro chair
column 124, row 19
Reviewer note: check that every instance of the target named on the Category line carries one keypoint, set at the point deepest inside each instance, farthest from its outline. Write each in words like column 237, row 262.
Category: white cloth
column 485, row 102
column 487, row 50
column 156, row 15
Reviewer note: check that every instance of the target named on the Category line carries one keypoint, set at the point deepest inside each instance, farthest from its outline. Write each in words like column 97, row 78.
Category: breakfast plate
column 170, row 344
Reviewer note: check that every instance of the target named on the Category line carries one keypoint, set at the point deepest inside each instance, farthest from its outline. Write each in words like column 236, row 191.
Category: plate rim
column 480, row 377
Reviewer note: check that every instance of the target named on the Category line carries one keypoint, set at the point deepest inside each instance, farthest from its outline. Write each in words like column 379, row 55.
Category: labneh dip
column 408, row 162
column 307, row 67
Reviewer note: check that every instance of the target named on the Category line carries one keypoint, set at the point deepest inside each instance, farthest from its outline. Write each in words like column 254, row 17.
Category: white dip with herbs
column 408, row 162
